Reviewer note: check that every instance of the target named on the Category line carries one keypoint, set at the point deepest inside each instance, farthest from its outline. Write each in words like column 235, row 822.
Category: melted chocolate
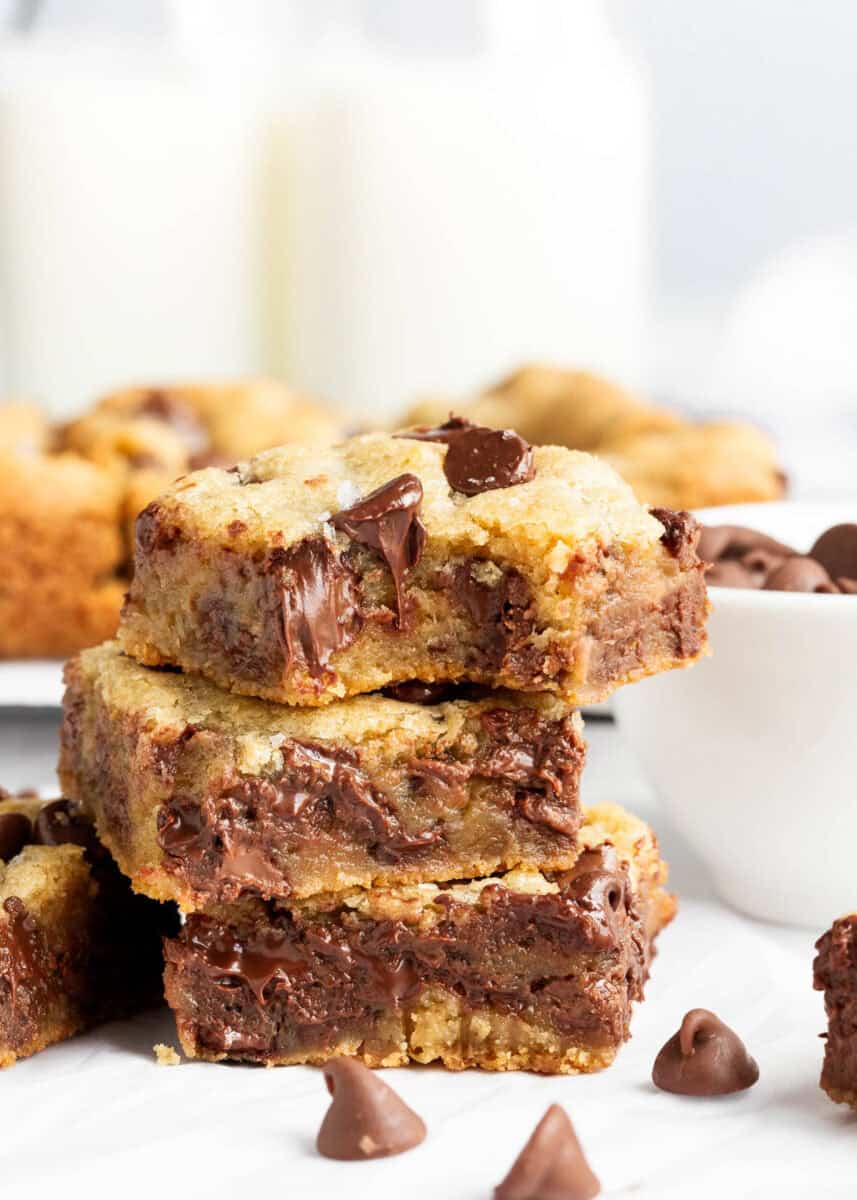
column 15, row 832
column 415, row 692
column 319, row 604
column 22, row 954
column 480, row 459
column 387, row 520
column 58, row 825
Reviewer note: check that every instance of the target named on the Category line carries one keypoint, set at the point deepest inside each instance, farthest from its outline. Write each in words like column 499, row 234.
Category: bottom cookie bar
column 76, row 945
column 835, row 973
column 528, row 970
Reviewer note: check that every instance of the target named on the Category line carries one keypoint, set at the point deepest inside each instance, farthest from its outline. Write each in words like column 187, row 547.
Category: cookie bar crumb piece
column 166, row 1056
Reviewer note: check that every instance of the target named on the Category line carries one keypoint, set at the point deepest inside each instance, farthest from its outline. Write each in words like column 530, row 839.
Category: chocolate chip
column 836, row 550
column 799, row 574
column 681, row 534
column 734, row 541
column 58, row 825
column 15, row 833
column 705, row 1058
column 387, row 520
column 551, row 1166
column 480, row 459
column 366, row 1118
column 729, row 573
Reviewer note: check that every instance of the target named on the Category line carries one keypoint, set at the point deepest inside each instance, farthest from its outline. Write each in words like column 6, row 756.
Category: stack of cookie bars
column 339, row 729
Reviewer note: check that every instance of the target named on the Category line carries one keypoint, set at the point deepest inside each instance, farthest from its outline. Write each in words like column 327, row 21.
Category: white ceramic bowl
column 754, row 750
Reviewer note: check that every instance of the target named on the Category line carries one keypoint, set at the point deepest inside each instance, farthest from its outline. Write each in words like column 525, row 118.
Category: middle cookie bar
column 200, row 795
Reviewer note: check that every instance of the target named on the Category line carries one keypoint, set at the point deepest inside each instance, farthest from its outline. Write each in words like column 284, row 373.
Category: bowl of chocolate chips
column 753, row 752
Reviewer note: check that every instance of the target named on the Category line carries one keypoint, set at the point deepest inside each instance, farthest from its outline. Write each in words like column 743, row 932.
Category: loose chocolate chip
column 836, row 550
column 551, row 1166
column 366, row 1118
column 387, row 520
column 734, row 541
column 799, row 574
column 732, row 574
column 705, row 1058
column 15, row 832
column 480, row 459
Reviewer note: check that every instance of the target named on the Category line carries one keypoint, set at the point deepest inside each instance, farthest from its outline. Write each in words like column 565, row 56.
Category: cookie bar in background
column 61, row 549
column 668, row 459
column 76, row 946
column 835, row 974
column 155, row 434
column 455, row 553
column 199, row 794
column 531, row 970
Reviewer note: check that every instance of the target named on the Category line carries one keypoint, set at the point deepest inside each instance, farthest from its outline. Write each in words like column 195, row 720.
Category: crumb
column 166, row 1055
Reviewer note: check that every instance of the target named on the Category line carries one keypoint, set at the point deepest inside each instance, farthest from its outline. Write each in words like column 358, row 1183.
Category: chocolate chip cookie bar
column 76, row 946
column 455, row 553
column 200, row 794
column 835, row 974
column 533, row 970
column 61, row 549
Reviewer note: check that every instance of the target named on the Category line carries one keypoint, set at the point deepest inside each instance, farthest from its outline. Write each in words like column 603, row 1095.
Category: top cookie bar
column 454, row 553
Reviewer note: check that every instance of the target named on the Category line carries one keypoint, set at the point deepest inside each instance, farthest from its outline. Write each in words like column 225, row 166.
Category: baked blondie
column 61, row 549
column 456, row 553
column 200, row 794
column 76, row 946
column 835, row 973
column 532, row 970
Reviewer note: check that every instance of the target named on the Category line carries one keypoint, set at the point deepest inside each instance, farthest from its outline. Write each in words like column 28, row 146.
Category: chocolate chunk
column 480, row 459
column 730, row 573
column 681, row 534
column 58, row 825
column 387, row 520
column 734, row 541
column 836, row 550
column 705, row 1058
column 366, row 1118
column 551, row 1166
column 319, row 603
column 23, row 958
column 799, row 574
column 153, row 532
column 15, row 833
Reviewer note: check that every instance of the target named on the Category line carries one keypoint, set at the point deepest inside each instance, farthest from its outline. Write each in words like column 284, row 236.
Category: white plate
column 31, row 683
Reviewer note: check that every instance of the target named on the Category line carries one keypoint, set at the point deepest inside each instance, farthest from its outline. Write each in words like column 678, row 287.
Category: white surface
column 31, row 684
column 97, row 1118
column 764, row 729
